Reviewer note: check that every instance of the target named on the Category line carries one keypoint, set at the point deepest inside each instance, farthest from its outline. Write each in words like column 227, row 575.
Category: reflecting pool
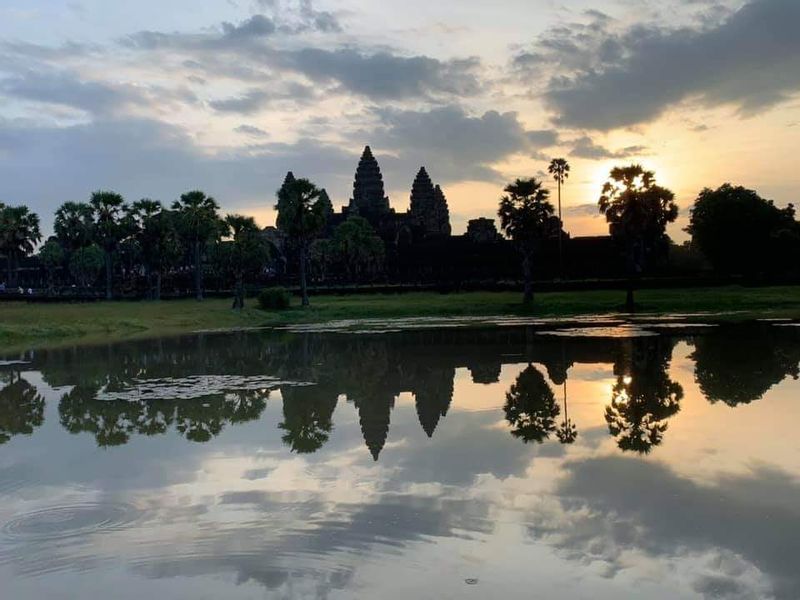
column 514, row 460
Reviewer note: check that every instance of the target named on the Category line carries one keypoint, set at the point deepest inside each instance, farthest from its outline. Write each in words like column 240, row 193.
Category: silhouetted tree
column 21, row 408
column 198, row 224
column 158, row 240
column 567, row 431
column 85, row 265
column 51, row 255
column 637, row 211
column 246, row 253
column 19, row 234
column 644, row 396
column 357, row 248
column 741, row 232
column 527, row 218
column 307, row 417
column 110, row 228
column 559, row 169
column 74, row 226
column 531, row 407
column 737, row 365
column 301, row 216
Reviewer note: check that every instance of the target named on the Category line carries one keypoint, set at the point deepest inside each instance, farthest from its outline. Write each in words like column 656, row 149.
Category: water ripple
column 70, row 521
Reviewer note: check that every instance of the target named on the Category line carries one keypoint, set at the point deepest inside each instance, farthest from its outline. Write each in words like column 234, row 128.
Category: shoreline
column 26, row 326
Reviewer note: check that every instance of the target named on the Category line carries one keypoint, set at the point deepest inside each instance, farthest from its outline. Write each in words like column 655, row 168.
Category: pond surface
column 513, row 461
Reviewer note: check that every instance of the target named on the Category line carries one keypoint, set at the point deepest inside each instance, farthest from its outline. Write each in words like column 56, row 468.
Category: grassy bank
column 34, row 325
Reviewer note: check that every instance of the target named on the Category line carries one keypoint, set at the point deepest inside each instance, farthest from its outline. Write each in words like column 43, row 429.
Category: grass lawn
column 25, row 325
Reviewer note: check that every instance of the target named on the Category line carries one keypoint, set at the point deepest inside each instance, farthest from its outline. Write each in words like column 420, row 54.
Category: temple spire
column 369, row 198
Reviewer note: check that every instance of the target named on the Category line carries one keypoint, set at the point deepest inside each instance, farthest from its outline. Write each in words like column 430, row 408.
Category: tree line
column 738, row 231
column 735, row 229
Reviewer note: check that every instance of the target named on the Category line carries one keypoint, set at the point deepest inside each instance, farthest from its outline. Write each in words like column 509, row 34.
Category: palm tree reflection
column 644, row 396
column 531, row 407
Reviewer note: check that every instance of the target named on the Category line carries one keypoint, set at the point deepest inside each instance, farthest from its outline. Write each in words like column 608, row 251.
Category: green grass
column 25, row 325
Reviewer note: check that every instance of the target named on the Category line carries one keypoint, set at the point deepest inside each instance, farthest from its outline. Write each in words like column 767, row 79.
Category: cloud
column 454, row 145
column 750, row 60
column 256, row 99
column 251, row 130
column 543, row 137
column 46, row 166
column 620, row 505
column 585, row 147
column 384, row 75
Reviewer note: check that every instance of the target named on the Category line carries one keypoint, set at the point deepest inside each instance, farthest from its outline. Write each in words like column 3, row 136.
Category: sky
column 155, row 98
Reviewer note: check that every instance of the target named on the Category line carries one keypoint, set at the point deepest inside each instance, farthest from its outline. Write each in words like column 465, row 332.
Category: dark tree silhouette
column 741, row 232
column 110, row 228
column 301, row 216
column 74, row 226
column 21, row 408
column 637, row 211
column 357, row 249
column 559, row 169
column 246, row 253
column 19, row 234
column 567, row 431
column 531, row 408
column 85, row 265
column 644, row 396
column 198, row 224
column 51, row 255
column 158, row 239
column 307, row 417
column 737, row 365
column 527, row 218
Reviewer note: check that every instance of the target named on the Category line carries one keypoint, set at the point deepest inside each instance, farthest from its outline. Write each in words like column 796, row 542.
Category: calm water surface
column 656, row 461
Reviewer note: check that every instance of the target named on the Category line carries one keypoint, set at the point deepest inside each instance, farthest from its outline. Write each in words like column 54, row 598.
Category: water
column 647, row 460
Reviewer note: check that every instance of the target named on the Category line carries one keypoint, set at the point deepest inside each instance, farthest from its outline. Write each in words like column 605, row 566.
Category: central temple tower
column 369, row 199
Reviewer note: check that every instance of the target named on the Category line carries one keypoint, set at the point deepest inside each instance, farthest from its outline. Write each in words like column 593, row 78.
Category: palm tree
column 74, row 225
column 637, row 211
column 559, row 169
column 248, row 252
column 109, row 229
column 199, row 223
column 158, row 239
column 51, row 256
column 19, row 234
column 531, row 408
column 527, row 218
column 301, row 216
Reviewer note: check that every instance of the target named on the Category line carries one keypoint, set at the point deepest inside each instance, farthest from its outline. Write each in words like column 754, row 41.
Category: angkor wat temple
column 420, row 246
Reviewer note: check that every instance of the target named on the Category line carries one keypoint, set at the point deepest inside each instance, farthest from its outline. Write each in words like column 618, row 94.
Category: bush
column 276, row 298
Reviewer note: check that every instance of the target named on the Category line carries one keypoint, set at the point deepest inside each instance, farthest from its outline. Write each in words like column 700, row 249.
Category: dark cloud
column 255, row 27
column 45, row 166
column 543, row 138
column 454, row 145
column 250, row 130
column 383, row 75
column 585, row 147
column 256, row 99
column 751, row 60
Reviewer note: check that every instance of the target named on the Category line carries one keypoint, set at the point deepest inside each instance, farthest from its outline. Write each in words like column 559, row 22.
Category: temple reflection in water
column 197, row 386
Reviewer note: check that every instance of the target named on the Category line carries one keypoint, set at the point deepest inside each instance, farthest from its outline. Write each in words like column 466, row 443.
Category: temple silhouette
column 420, row 245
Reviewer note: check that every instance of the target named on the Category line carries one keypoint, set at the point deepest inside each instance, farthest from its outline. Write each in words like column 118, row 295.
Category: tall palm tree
column 158, row 239
column 302, row 213
column 199, row 221
column 559, row 169
column 527, row 218
column 74, row 225
column 109, row 229
column 637, row 211
column 248, row 252
column 19, row 234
